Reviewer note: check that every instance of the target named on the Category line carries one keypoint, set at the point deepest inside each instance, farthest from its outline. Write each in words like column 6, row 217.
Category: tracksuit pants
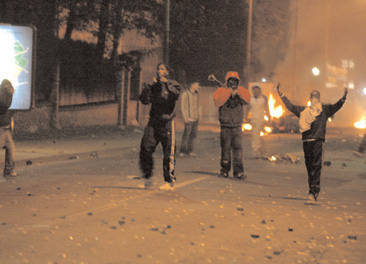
column 153, row 134
column 6, row 142
column 189, row 134
column 313, row 152
column 231, row 143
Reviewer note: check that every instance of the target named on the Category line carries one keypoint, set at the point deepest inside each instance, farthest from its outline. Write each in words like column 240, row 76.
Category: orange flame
column 361, row 124
column 276, row 111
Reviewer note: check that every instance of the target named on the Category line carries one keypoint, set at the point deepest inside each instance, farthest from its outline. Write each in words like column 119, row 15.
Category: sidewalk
column 74, row 143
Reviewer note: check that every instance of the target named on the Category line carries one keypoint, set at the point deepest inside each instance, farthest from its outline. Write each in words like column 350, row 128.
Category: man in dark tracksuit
column 230, row 101
column 313, row 128
column 162, row 95
column 6, row 139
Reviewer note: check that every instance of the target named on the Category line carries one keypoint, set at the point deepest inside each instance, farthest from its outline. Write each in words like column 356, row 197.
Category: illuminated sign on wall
column 17, row 48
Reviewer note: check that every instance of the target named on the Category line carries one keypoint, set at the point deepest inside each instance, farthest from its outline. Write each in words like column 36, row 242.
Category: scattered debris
column 94, row 155
column 73, row 157
column 352, row 237
column 19, row 188
column 240, row 209
column 264, row 222
column 29, row 162
column 290, row 229
column 327, row 163
column 90, row 213
column 254, row 236
column 287, row 157
column 344, row 165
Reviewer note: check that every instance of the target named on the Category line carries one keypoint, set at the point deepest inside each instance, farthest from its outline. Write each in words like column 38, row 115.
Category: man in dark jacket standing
column 6, row 139
column 162, row 94
column 230, row 100
column 313, row 121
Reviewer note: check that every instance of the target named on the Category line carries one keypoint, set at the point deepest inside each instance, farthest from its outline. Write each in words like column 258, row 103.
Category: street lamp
column 315, row 71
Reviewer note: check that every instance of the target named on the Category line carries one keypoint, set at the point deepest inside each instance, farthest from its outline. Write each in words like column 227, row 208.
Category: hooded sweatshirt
column 231, row 112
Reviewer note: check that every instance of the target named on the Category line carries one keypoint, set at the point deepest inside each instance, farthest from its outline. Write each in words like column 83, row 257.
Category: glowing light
column 266, row 118
column 361, row 124
column 315, row 71
column 272, row 158
column 264, row 80
column 261, row 134
column 268, row 129
column 364, row 91
column 246, row 126
column 309, row 103
column 329, row 119
column 274, row 111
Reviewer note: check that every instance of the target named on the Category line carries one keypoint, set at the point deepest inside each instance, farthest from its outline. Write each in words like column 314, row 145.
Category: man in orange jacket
column 230, row 100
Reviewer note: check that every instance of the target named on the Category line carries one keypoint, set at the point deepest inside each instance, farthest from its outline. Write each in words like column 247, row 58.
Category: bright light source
column 351, row 85
column 16, row 57
column 361, row 124
column 315, row 71
column 264, row 80
column 364, row 90
column 246, row 126
column 268, row 129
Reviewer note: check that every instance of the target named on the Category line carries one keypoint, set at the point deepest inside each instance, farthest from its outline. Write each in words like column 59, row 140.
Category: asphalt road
column 91, row 210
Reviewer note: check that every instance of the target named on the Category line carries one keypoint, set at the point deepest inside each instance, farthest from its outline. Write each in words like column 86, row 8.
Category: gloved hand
column 345, row 94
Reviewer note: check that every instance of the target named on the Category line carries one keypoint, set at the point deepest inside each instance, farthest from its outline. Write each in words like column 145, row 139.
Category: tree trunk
column 116, row 31
column 70, row 21
column 103, row 26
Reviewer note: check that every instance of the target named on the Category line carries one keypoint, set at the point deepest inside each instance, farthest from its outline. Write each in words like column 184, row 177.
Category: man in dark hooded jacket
column 163, row 95
column 313, row 121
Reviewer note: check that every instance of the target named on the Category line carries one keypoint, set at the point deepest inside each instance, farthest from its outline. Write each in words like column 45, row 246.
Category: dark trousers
column 6, row 142
column 153, row 134
column 189, row 134
column 231, row 142
column 363, row 144
column 313, row 152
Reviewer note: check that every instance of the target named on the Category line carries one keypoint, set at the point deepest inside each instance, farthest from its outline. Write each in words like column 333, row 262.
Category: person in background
column 230, row 101
column 163, row 95
column 6, row 138
column 189, row 109
column 259, row 107
column 313, row 121
column 361, row 148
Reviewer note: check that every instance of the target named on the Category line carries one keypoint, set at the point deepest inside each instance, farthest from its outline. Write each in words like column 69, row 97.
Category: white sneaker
column 167, row 186
column 146, row 183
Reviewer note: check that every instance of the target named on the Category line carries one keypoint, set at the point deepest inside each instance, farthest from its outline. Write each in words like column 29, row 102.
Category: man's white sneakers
column 167, row 186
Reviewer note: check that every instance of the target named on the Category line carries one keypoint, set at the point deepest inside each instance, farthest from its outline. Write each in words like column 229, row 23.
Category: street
column 92, row 211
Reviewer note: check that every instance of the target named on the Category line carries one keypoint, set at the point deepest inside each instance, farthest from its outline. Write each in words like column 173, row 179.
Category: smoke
column 328, row 35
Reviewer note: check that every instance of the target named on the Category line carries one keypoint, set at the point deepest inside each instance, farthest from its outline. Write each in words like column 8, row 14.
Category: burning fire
column 361, row 124
column 276, row 111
